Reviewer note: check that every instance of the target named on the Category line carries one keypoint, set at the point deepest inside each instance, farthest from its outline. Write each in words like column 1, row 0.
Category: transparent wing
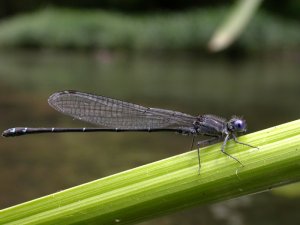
column 112, row 113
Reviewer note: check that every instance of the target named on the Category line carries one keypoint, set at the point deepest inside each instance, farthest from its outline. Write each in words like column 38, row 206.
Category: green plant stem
column 172, row 184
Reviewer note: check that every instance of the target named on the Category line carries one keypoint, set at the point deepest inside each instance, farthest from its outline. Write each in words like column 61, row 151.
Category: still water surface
column 264, row 90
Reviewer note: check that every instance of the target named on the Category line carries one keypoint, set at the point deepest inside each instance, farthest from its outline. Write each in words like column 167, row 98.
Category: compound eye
column 239, row 125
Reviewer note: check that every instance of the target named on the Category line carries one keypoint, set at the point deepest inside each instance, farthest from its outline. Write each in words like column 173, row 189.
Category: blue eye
column 240, row 125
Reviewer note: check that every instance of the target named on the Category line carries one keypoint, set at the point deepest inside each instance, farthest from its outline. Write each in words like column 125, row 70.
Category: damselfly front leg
column 236, row 141
column 242, row 143
column 223, row 149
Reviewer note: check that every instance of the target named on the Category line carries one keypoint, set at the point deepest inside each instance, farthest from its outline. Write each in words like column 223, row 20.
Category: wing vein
column 112, row 113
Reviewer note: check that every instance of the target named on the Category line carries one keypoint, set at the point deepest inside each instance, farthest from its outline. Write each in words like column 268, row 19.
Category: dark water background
column 265, row 90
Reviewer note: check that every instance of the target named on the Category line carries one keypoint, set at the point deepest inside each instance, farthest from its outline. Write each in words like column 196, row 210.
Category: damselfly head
column 236, row 124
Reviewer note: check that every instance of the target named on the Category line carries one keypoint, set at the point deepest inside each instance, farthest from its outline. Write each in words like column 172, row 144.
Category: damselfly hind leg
column 198, row 151
column 193, row 140
column 203, row 144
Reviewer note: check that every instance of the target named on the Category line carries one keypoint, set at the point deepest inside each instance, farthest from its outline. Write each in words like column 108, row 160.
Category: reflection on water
column 264, row 91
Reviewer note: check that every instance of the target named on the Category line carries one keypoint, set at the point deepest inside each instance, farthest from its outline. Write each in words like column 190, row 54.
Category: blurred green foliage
column 87, row 29
column 189, row 30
